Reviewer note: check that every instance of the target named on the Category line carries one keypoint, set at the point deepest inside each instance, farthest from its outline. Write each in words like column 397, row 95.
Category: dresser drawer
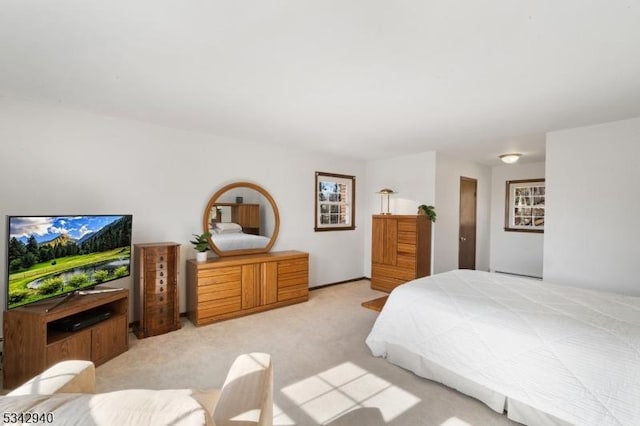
column 406, row 237
column 157, row 287
column 293, row 273
column 156, row 254
column 409, row 249
column 406, row 262
column 389, row 271
column 156, row 264
column 160, row 325
column 292, row 279
column 293, row 266
column 405, row 225
column 164, row 310
column 219, row 291
column 293, row 292
column 157, row 299
column 220, row 276
column 214, row 308
column 157, row 277
column 385, row 283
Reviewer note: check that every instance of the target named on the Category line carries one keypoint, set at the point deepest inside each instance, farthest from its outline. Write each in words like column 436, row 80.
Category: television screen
column 49, row 256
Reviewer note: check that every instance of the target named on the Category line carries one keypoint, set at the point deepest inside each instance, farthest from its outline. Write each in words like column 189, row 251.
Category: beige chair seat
column 246, row 398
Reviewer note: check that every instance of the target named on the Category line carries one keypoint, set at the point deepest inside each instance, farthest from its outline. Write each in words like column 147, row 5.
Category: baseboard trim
column 337, row 283
column 184, row 314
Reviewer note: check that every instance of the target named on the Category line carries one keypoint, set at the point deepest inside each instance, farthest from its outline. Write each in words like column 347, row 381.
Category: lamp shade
column 386, row 191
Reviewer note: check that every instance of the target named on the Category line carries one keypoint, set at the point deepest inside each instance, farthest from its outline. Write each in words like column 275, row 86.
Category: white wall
column 514, row 252
column 412, row 177
column 447, row 203
column 592, row 207
column 58, row 161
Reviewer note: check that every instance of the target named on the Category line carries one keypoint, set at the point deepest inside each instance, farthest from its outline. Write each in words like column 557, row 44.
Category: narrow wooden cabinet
column 155, row 294
column 247, row 216
column 234, row 286
column 33, row 343
column 400, row 250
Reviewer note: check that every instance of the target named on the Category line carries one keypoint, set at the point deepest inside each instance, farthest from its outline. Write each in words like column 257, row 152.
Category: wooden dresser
column 155, row 296
column 400, row 250
column 233, row 286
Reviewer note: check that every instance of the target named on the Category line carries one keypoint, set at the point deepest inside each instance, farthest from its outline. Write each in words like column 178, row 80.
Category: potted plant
column 427, row 210
column 201, row 244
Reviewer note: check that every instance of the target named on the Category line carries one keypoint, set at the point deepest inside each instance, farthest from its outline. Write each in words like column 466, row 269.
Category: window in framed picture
column 335, row 202
column 525, row 205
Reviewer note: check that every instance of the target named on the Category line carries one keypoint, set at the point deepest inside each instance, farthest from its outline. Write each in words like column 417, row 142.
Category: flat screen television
column 52, row 256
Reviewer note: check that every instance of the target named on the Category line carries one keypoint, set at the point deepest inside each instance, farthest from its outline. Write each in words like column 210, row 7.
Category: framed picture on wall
column 525, row 205
column 335, row 206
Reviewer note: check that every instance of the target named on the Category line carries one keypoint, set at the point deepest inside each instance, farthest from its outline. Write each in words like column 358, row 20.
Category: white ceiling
column 366, row 79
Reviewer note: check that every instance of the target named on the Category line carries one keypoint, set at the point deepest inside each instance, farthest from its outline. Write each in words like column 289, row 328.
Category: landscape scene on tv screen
column 48, row 256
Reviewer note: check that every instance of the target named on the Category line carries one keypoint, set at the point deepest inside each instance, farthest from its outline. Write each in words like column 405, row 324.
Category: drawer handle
column 161, row 258
column 161, row 274
column 161, row 282
column 161, row 299
column 161, row 289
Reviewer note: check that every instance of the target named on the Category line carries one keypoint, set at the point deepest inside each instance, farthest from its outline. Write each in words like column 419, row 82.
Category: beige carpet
column 324, row 372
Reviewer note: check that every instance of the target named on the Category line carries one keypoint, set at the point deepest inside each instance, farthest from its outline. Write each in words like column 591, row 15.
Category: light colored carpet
column 324, row 372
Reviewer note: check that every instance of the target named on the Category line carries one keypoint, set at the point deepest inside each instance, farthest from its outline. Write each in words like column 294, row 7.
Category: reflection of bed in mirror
column 248, row 216
column 254, row 212
column 237, row 226
column 233, row 236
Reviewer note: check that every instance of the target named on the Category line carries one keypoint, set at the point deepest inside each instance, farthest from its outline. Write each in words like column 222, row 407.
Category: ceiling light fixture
column 510, row 158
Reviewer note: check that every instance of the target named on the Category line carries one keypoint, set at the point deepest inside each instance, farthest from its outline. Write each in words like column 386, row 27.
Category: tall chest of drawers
column 156, row 288
column 400, row 250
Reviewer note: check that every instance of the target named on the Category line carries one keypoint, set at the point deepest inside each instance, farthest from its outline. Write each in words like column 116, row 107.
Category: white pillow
column 228, row 228
column 229, row 231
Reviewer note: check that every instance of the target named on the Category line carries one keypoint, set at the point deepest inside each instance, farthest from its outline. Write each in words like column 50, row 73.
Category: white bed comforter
column 238, row 241
column 569, row 352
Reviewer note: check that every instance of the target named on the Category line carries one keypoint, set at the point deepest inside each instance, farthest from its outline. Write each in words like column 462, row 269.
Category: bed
column 238, row 241
column 229, row 236
column 545, row 353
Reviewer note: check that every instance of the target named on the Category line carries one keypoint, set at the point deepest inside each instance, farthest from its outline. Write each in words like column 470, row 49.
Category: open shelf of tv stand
column 31, row 344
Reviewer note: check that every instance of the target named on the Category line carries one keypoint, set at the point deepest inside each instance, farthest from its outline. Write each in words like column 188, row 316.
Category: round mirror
column 242, row 219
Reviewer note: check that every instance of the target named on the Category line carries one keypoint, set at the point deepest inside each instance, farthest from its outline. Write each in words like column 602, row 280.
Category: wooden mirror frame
column 212, row 202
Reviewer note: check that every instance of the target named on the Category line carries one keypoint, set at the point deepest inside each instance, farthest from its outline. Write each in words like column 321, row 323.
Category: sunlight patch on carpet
column 454, row 421
column 280, row 418
column 347, row 387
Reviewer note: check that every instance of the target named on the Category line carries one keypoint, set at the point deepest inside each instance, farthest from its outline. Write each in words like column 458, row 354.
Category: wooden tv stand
column 31, row 344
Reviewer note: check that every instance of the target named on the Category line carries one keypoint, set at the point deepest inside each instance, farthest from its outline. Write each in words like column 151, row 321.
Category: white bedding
column 238, row 241
column 568, row 352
